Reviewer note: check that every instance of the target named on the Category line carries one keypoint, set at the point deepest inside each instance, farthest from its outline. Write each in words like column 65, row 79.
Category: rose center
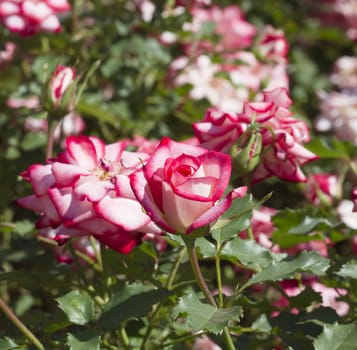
column 106, row 169
column 185, row 170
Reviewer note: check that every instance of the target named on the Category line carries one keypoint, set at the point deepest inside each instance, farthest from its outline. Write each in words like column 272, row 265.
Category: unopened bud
column 62, row 88
column 248, row 153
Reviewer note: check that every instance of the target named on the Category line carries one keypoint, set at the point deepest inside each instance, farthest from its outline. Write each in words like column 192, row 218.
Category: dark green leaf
column 306, row 261
column 337, row 337
column 250, row 253
column 78, row 307
column 84, row 341
column 132, row 301
column 202, row 316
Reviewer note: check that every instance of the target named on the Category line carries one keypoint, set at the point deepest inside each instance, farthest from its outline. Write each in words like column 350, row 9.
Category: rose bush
column 185, row 195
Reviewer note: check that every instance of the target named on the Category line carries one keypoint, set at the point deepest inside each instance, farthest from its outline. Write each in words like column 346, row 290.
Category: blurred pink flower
column 205, row 343
column 234, row 31
column 338, row 114
column 321, row 186
column 329, row 295
column 7, row 53
column 28, row 17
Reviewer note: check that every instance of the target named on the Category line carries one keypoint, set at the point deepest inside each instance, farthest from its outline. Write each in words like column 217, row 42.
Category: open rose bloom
column 86, row 191
column 181, row 186
column 29, row 17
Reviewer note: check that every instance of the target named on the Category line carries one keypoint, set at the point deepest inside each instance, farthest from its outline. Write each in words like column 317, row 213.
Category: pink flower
column 321, row 187
column 282, row 135
column 62, row 78
column 329, row 295
column 86, row 191
column 205, row 343
column 218, row 130
column 181, row 185
column 28, row 17
column 234, row 31
column 354, row 198
column 7, row 53
column 263, row 227
column 272, row 44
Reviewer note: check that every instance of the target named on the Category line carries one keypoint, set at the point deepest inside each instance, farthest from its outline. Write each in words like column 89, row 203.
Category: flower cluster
column 28, row 17
column 268, row 124
column 118, row 196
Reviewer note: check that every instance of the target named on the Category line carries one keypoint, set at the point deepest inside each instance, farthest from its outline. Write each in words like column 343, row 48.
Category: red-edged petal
column 217, row 210
column 91, row 188
column 122, row 242
column 41, row 178
column 70, row 209
column 126, row 213
column 142, row 193
column 170, row 149
column 67, row 174
column 84, row 152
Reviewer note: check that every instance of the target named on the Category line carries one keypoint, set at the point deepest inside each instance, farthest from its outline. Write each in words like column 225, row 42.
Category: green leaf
column 32, row 141
column 293, row 226
column 8, row 344
column 348, row 270
column 261, row 324
column 96, row 111
column 235, row 220
column 305, row 262
column 326, row 148
column 132, row 301
column 337, row 337
column 207, row 249
column 202, row 316
column 84, row 341
column 23, row 227
column 250, row 253
column 78, row 307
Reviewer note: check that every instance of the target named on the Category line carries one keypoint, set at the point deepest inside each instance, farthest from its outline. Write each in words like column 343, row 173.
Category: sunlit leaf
column 337, row 337
column 78, row 307
column 202, row 316
column 305, row 262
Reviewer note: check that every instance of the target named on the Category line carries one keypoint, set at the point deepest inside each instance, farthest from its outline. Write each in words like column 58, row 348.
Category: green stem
column 250, row 233
column 228, row 339
column 219, row 277
column 169, row 282
column 13, row 318
column 179, row 340
column 192, row 255
column 50, row 139
column 174, row 269
column 124, row 338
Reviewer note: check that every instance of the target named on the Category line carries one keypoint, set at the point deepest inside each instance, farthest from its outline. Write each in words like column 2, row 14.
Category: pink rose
column 62, row 78
column 180, row 186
